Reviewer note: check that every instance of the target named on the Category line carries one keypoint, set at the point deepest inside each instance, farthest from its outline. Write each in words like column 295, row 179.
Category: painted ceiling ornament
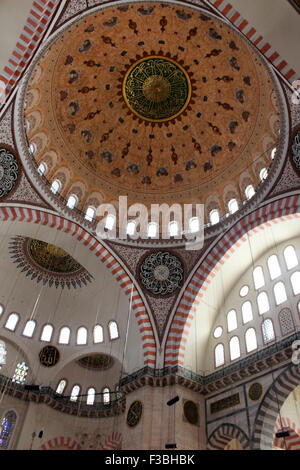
column 47, row 263
column 296, row 150
column 161, row 273
column 96, row 362
column 9, row 172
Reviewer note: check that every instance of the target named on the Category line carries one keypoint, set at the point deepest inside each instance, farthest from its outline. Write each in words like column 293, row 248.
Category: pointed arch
column 222, row 435
column 56, row 442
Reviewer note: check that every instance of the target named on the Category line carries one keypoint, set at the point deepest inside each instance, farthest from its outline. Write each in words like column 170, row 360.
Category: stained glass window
column 20, row 373
column 75, row 393
column 61, row 386
column 6, row 428
column 106, row 395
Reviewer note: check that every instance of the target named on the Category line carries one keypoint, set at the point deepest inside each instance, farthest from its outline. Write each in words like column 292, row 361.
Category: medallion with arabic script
column 161, row 273
column 9, row 171
column 156, row 89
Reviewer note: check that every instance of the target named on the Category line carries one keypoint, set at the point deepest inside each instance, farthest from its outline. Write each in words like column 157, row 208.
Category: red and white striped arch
column 35, row 216
column 59, row 442
column 227, row 10
column 291, row 442
column 271, row 214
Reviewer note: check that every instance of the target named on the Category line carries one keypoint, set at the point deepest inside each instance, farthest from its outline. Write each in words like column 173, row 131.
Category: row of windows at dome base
column 268, row 336
column 65, row 332
column 90, row 396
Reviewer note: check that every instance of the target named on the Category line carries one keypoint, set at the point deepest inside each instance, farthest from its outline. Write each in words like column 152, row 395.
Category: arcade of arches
column 106, row 315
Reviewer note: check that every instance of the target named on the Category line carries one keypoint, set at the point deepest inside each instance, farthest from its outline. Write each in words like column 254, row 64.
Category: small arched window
column 47, row 333
column 90, row 213
column 106, row 396
column 75, row 392
column 214, row 216
column 219, row 355
column 32, row 149
column 233, row 206
column 251, row 341
column 173, row 229
column 90, row 396
column 234, row 348
column 295, row 280
column 113, row 330
column 258, row 277
column 64, row 335
column 268, row 331
column 231, row 320
column 280, row 293
column 273, row 153
column 98, row 334
column 29, row 328
column 194, row 225
column 249, row 191
column 131, row 227
column 7, row 426
column 290, row 257
column 263, row 174
column 3, row 353
column 263, row 303
column 273, row 266
column 1, row 309
column 152, row 230
column 110, row 222
column 42, row 169
column 247, row 312
column 55, row 187
column 81, row 335
column 12, row 321
column 72, row 201
column 20, row 373
column 61, row 387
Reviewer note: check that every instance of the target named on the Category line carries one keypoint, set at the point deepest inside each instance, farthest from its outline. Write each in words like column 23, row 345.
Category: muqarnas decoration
column 47, row 263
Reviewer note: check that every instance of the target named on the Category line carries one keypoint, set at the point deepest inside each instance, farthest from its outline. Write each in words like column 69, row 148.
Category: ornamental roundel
column 49, row 356
column 255, row 391
column 134, row 414
column 9, row 172
column 190, row 412
column 161, row 273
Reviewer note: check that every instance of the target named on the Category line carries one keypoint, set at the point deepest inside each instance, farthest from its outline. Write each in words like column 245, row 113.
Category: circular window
column 218, row 332
column 244, row 291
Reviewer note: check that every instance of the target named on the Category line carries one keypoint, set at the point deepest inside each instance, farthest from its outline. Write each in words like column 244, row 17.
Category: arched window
column 263, row 174
column 258, row 277
column 234, row 348
column 194, row 225
column 173, row 228
column 247, row 312
column 81, row 335
column 29, row 328
column 295, row 280
column 61, row 387
column 263, row 303
column 32, row 149
column 90, row 214
column 273, row 153
column 90, row 396
column 113, row 330
column 42, row 169
column 1, row 309
column 47, row 333
column 219, row 355
column 280, row 293
column 214, row 216
column 3, row 354
column 98, row 334
column 251, row 341
column 268, row 331
column 233, row 206
column 131, row 226
column 64, row 335
column 249, row 191
column 20, row 373
column 273, row 266
column 7, row 426
column 55, row 187
column 231, row 320
column 12, row 321
column 152, row 230
column 75, row 392
column 72, row 201
column 106, row 396
column 290, row 257
column 110, row 222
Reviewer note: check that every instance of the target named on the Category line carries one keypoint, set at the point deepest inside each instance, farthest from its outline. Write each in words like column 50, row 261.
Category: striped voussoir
column 269, row 215
column 36, row 25
column 291, row 442
column 226, row 9
column 21, row 214
column 220, row 437
column 267, row 414
column 113, row 442
column 58, row 442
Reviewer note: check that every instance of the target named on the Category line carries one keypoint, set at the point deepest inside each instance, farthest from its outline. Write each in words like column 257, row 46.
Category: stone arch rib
column 221, row 436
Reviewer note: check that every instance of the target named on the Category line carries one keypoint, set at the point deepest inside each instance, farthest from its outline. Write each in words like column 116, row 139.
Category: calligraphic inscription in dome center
column 156, row 89
column 52, row 257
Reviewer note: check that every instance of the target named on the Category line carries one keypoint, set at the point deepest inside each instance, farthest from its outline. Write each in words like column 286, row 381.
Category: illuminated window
column 98, row 334
column 152, row 230
column 75, row 392
column 110, row 222
column 7, row 426
column 131, row 228
column 218, row 332
column 64, row 335
column 90, row 214
column 20, row 373
column 233, row 206
column 32, row 149
column 244, row 291
column 106, row 395
column 55, row 186
column 81, row 336
column 29, row 328
column 194, row 224
column 214, row 216
column 273, row 153
column 263, row 174
column 273, row 266
column 247, row 312
column 90, row 396
column 231, row 320
column 219, row 355
column 113, row 330
column 72, row 201
column 47, row 333
column 258, row 277
column 295, row 280
column 234, row 348
column 249, row 191
column 1, row 309
column 12, row 321
column 251, row 341
column 3, row 354
column 61, row 387
column 280, row 293
column 263, row 303
column 268, row 331
column 173, row 228
column 290, row 257
column 42, row 169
